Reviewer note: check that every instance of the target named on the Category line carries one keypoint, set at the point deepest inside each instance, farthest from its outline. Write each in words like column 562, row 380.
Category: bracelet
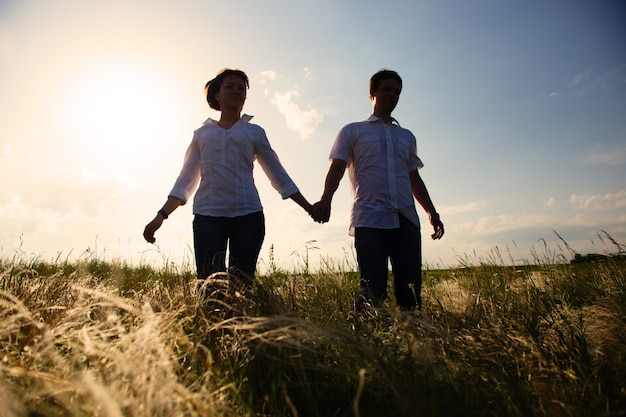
column 163, row 213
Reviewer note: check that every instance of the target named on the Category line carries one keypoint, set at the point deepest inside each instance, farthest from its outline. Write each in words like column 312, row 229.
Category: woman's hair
column 212, row 87
column 381, row 75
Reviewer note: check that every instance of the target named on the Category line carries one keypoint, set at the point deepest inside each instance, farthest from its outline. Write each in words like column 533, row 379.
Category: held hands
column 320, row 211
column 435, row 221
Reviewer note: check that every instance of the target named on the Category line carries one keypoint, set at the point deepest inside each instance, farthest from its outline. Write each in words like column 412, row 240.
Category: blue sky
column 519, row 109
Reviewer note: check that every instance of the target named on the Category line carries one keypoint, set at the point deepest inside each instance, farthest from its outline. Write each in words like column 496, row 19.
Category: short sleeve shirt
column 379, row 157
column 221, row 161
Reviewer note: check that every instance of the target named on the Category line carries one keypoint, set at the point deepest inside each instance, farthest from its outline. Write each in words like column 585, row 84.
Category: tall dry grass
column 96, row 338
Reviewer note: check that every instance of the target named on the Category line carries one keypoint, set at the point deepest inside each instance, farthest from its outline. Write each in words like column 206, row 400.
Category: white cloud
column 6, row 153
column 551, row 94
column 599, row 201
column 549, row 202
column 464, row 208
column 602, row 154
column 302, row 121
column 265, row 76
column 597, row 80
column 578, row 79
column 37, row 219
column 491, row 225
column 308, row 75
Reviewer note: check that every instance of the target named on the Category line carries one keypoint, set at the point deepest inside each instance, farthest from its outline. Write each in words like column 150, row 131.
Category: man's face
column 387, row 95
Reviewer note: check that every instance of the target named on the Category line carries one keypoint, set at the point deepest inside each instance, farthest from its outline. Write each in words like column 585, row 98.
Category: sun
column 119, row 111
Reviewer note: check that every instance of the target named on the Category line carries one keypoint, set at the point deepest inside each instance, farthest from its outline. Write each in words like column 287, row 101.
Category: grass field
column 103, row 338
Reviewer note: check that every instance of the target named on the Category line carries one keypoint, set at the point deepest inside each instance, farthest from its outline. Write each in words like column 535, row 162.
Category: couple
column 382, row 162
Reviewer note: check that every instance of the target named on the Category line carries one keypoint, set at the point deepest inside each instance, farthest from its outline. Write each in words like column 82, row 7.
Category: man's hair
column 212, row 87
column 381, row 75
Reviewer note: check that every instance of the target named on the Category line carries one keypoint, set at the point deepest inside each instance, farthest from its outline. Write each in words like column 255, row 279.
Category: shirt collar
column 373, row 118
column 244, row 118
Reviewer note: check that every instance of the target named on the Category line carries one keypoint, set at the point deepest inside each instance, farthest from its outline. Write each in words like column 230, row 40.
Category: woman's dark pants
column 242, row 235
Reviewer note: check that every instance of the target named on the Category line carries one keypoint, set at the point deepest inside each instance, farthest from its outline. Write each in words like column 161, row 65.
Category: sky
column 519, row 109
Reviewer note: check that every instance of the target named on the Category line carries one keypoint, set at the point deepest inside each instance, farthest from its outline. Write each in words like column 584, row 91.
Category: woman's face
column 232, row 93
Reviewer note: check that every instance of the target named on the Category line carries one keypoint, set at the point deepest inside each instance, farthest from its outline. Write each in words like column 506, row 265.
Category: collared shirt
column 222, row 160
column 379, row 157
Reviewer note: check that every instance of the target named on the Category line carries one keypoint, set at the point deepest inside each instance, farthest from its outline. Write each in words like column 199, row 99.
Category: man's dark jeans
column 243, row 235
column 403, row 246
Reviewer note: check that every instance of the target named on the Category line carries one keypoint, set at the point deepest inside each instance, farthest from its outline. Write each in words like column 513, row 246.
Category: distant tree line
column 597, row 257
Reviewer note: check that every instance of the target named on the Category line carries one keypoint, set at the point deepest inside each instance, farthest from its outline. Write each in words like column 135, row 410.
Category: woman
column 227, row 209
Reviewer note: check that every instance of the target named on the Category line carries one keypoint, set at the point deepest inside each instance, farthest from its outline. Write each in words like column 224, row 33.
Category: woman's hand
column 151, row 228
column 168, row 208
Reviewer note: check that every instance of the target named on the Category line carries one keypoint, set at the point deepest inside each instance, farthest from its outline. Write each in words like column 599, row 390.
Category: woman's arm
column 301, row 201
column 170, row 205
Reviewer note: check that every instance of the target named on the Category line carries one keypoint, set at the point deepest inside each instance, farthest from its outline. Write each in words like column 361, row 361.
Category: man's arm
column 423, row 198
column 321, row 210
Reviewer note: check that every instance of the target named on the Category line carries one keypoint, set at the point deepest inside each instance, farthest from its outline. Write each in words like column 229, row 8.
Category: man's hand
column 321, row 211
column 435, row 221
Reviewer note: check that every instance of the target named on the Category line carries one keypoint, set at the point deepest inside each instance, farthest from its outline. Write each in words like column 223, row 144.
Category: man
column 382, row 162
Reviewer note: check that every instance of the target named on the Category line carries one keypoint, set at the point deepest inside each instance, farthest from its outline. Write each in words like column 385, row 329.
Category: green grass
column 97, row 338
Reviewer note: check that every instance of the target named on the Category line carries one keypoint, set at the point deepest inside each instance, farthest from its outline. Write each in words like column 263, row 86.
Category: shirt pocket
column 403, row 153
column 368, row 146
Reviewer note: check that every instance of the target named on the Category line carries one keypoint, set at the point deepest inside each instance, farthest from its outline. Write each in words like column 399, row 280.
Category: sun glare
column 119, row 112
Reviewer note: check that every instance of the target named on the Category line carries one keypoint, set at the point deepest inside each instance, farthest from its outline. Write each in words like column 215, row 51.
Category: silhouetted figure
column 382, row 162
column 219, row 163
